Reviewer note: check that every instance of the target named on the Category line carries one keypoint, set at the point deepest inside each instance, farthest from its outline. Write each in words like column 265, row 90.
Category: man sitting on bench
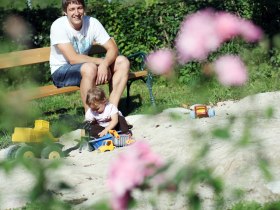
column 71, row 39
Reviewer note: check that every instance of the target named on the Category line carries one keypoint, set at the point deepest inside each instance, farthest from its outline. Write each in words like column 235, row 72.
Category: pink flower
column 161, row 62
column 204, row 31
column 197, row 37
column 230, row 70
column 249, row 31
column 16, row 27
column 227, row 25
column 129, row 171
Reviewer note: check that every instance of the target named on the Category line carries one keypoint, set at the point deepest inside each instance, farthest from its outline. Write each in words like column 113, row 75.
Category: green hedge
column 137, row 27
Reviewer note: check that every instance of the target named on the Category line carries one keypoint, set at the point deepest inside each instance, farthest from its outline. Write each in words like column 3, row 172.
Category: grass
column 252, row 205
column 167, row 93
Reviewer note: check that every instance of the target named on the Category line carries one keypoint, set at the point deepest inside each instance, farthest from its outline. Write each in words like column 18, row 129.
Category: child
column 103, row 115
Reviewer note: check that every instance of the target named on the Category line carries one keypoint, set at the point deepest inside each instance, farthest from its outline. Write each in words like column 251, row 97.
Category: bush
column 138, row 27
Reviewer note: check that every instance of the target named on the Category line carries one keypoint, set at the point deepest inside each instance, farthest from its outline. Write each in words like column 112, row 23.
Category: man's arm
column 104, row 63
column 73, row 58
column 112, row 52
column 110, row 57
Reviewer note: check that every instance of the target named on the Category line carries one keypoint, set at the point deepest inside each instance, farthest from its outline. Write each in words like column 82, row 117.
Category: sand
column 170, row 135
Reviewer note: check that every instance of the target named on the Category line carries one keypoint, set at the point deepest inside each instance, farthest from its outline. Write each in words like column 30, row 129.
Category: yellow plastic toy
column 114, row 133
column 107, row 145
column 37, row 134
column 35, row 142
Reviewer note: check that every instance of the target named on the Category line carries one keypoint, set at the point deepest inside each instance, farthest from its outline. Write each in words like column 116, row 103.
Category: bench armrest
column 137, row 61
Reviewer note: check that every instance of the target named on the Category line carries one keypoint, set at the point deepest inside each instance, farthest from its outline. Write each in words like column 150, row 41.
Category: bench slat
column 34, row 56
column 24, row 57
column 50, row 90
column 137, row 74
column 43, row 91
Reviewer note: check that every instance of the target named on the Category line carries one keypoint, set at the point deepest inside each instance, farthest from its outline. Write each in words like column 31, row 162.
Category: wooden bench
column 41, row 55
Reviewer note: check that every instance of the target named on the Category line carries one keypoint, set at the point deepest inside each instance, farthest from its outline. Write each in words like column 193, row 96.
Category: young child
column 103, row 115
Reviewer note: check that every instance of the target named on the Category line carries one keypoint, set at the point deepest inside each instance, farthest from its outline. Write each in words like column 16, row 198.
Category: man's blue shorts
column 67, row 75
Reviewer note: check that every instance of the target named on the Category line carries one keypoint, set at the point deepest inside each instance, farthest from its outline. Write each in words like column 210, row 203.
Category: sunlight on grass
column 167, row 94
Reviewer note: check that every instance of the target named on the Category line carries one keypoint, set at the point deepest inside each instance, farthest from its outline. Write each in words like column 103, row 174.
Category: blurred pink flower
column 230, row 70
column 17, row 28
column 227, row 25
column 129, row 171
column 249, row 31
column 204, row 31
column 197, row 37
column 161, row 62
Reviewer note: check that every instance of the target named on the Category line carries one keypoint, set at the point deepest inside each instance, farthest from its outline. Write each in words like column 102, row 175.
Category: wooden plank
column 24, row 57
column 34, row 56
column 51, row 90
column 41, row 92
column 137, row 74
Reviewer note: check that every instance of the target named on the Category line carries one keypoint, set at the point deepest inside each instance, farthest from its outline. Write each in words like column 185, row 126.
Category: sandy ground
column 171, row 137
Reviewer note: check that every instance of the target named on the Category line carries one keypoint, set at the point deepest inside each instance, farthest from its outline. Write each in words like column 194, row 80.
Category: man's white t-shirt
column 103, row 118
column 62, row 32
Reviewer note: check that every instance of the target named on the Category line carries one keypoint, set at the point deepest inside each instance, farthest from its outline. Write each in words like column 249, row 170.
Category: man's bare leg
column 89, row 73
column 119, row 79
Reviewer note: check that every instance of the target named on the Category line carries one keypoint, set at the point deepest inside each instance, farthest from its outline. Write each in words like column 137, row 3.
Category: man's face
column 75, row 13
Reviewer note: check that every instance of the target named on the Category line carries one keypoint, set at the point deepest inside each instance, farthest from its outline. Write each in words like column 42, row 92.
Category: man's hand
column 103, row 74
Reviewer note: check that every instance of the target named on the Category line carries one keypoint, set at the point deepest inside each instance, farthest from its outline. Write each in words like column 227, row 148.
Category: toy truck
column 107, row 145
column 199, row 111
column 35, row 142
column 121, row 140
column 110, row 141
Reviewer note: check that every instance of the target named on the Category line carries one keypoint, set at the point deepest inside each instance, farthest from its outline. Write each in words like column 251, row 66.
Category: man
column 71, row 39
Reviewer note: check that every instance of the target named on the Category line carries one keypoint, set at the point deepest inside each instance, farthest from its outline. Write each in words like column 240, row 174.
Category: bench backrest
column 33, row 56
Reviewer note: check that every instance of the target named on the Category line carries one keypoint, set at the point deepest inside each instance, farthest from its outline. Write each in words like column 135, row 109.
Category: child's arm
column 89, row 117
column 112, row 125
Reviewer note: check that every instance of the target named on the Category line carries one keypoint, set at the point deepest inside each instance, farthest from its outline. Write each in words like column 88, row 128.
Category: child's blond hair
column 96, row 96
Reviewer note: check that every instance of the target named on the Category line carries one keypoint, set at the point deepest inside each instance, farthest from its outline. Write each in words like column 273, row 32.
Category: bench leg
column 149, row 84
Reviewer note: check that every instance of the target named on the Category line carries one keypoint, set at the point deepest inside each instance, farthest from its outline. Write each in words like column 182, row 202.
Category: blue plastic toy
column 113, row 138
column 96, row 143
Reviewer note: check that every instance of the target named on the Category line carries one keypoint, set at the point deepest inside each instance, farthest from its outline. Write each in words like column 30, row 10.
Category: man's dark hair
column 65, row 3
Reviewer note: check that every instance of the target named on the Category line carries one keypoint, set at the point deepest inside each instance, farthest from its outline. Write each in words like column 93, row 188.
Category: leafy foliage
column 144, row 26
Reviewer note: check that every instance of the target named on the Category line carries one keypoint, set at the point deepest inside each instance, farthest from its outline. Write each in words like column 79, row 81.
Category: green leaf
column 222, row 133
column 269, row 112
column 264, row 167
